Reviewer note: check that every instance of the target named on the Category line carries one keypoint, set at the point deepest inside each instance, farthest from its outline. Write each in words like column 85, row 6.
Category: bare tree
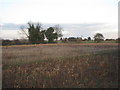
column 58, row 29
column 98, row 37
column 23, row 31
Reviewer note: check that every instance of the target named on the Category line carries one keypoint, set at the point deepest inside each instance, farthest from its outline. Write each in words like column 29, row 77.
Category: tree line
column 62, row 40
column 36, row 34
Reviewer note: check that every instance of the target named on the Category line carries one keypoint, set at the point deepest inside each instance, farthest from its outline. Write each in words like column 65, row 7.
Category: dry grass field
column 88, row 65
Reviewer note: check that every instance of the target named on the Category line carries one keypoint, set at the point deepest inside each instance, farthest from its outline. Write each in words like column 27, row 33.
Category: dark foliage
column 98, row 37
column 50, row 35
column 36, row 35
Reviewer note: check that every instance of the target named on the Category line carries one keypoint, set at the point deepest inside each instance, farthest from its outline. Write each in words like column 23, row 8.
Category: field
column 89, row 65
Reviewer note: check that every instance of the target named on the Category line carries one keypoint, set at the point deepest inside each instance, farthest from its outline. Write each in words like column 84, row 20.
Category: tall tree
column 50, row 34
column 34, row 34
column 98, row 37
column 58, row 29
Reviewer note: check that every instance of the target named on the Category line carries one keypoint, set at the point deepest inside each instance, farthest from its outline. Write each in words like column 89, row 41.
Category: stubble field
column 60, row 66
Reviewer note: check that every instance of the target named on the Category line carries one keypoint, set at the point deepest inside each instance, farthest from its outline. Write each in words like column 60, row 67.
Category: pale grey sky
column 82, row 15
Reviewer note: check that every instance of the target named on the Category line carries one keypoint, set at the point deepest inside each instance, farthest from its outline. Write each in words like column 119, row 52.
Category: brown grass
column 60, row 65
column 61, row 44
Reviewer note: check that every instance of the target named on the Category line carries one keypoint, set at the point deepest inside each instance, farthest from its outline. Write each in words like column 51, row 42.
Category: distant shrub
column 14, row 42
column 72, row 39
column 6, row 42
column 98, row 37
column 118, row 40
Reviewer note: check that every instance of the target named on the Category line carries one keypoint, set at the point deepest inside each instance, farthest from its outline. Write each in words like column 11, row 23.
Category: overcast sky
column 77, row 17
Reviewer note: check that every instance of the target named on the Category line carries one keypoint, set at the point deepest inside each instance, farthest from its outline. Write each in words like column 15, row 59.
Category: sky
column 77, row 17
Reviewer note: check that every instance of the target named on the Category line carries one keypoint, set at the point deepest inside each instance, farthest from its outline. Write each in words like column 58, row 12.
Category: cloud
column 77, row 17
column 11, row 26
column 90, row 29
column 61, row 11
column 9, row 34
column 77, row 30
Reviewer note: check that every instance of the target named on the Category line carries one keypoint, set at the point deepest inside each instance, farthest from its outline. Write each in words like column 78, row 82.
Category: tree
column 89, row 38
column 50, row 34
column 58, row 29
column 35, row 34
column 24, row 32
column 98, row 37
